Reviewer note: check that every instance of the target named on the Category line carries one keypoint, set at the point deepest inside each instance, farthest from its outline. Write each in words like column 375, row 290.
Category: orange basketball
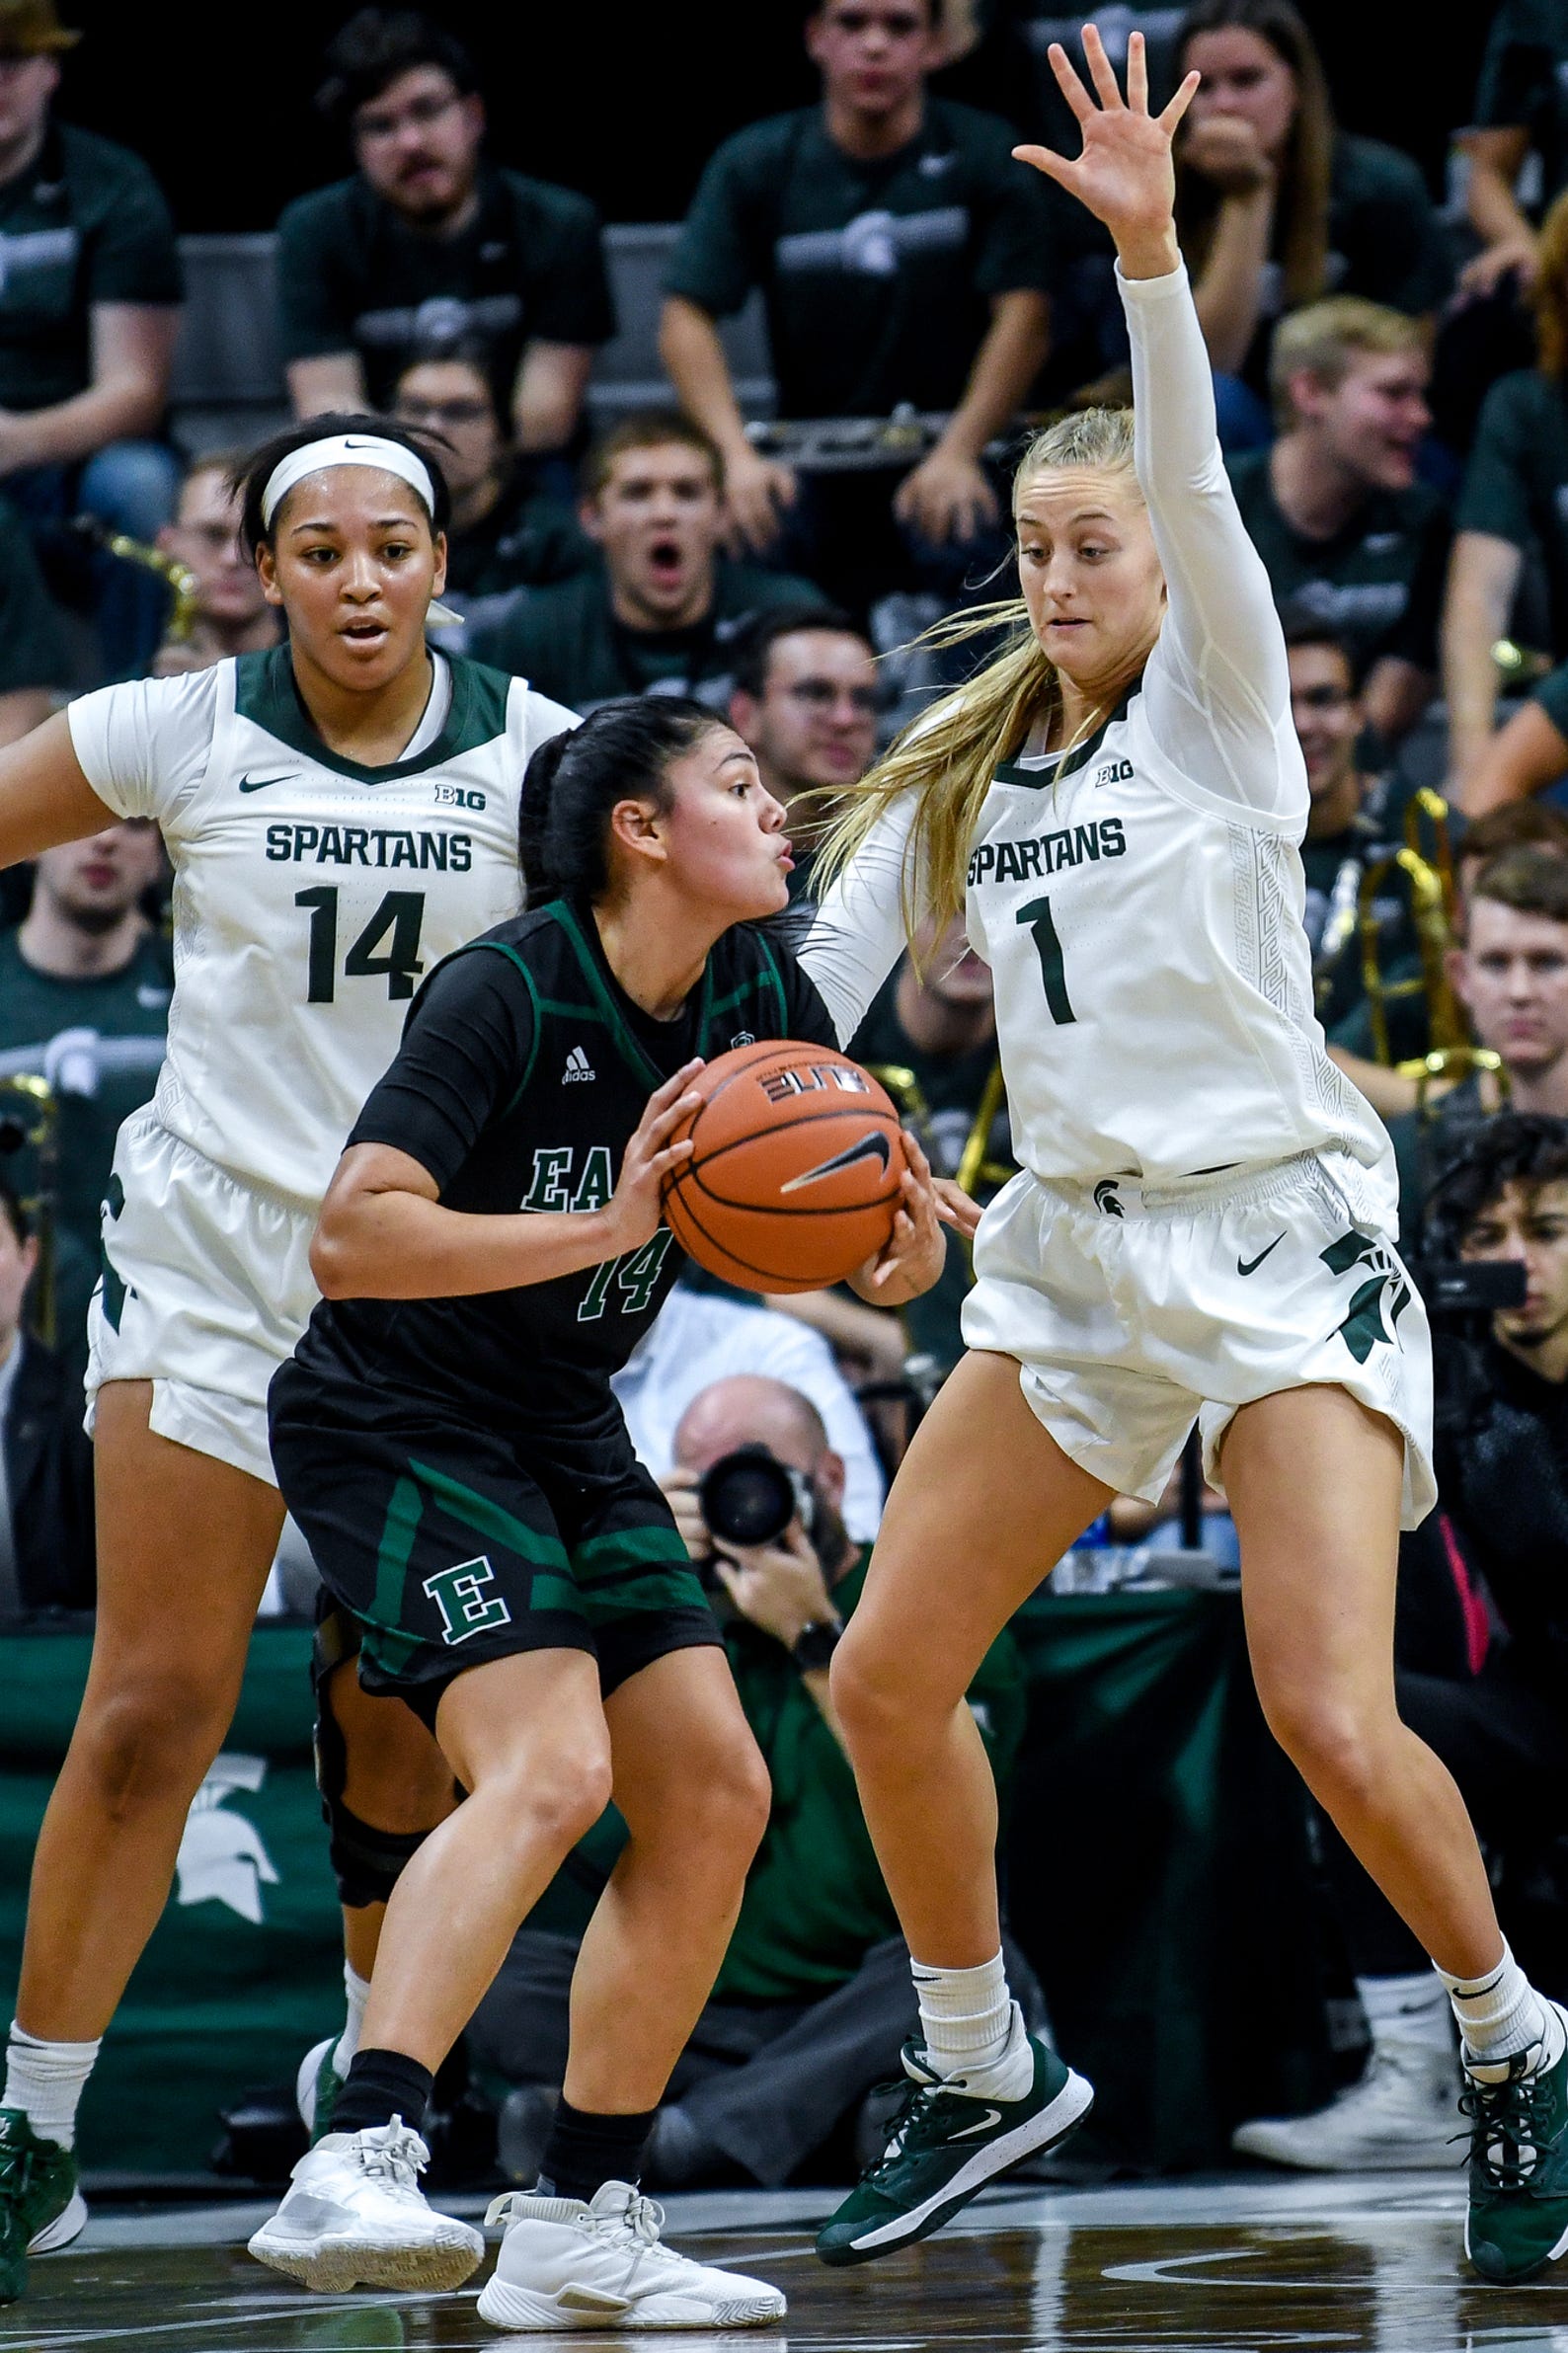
column 794, row 1174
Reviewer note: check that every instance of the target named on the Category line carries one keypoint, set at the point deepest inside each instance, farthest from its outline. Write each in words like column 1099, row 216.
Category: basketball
column 793, row 1178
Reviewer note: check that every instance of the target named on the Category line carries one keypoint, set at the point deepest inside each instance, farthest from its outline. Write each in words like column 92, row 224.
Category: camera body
column 748, row 1497
column 1468, row 1287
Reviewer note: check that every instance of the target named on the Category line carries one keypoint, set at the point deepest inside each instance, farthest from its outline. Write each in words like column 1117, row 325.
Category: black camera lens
column 748, row 1497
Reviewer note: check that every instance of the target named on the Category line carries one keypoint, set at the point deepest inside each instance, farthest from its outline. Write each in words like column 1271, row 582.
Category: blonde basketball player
column 1201, row 1230
column 341, row 813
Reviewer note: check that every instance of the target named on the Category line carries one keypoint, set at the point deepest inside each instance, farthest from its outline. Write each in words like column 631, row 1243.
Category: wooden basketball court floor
column 1247, row 2265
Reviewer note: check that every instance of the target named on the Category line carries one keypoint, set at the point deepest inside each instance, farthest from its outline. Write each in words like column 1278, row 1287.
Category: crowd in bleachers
column 1391, row 378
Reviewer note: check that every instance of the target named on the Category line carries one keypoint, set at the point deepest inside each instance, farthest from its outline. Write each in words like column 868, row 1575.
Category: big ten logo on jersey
column 1046, row 853
column 778, row 1086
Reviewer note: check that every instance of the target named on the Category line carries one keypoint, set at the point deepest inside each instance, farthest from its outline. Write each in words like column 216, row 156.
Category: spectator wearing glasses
column 806, row 700
column 665, row 610
column 231, row 615
column 427, row 244
column 903, row 257
column 505, row 533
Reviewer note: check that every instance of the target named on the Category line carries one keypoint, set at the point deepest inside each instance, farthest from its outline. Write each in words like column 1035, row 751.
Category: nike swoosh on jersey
column 870, row 1147
column 1252, row 1265
column 259, row 784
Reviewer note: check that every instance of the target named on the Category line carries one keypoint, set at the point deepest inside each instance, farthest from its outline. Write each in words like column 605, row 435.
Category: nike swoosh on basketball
column 259, row 784
column 870, row 1147
column 1251, row 1264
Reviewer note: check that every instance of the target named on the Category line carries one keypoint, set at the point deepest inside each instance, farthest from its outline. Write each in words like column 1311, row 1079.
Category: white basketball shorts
column 1134, row 1312
column 206, row 1287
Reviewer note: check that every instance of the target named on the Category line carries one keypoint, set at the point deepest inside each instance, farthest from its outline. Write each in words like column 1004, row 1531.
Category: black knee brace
column 365, row 1861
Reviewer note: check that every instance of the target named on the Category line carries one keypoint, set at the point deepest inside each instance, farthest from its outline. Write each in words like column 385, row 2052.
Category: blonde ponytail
column 949, row 755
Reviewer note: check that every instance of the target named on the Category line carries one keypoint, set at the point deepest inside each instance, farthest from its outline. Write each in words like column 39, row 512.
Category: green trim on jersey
column 1066, row 763
column 502, row 948
column 627, row 1046
column 265, row 692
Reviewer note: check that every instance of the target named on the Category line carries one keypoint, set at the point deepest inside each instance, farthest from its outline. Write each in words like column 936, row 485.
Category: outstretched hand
column 1125, row 173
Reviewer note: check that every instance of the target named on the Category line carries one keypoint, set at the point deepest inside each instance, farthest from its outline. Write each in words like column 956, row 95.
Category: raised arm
column 1217, row 687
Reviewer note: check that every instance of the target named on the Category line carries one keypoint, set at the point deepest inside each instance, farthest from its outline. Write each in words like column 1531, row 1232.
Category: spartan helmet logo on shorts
column 1364, row 1326
column 1106, row 1199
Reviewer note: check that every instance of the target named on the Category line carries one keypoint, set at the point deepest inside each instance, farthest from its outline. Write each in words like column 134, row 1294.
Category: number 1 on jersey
column 1052, row 972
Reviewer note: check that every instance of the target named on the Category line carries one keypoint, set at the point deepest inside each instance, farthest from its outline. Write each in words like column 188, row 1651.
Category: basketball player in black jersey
column 447, row 1436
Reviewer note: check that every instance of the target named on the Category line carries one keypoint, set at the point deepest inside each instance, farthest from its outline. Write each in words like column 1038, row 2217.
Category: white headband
column 345, row 449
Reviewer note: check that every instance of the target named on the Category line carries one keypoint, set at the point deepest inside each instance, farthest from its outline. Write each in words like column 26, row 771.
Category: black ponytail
column 622, row 752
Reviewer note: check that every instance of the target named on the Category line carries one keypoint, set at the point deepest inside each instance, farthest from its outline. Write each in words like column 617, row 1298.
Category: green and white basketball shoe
column 946, row 2143
column 41, row 2205
column 316, row 2087
column 1517, row 2219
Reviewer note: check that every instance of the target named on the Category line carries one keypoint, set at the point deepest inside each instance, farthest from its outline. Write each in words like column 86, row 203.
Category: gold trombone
column 185, row 589
column 1426, row 864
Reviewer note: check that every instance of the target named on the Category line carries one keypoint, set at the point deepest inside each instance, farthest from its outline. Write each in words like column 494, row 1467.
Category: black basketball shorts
column 451, row 1547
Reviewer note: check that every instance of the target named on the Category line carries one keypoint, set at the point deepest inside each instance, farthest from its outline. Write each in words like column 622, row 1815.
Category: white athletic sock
column 971, row 2027
column 358, row 1990
column 45, row 2081
column 1407, row 2009
column 1500, row 2015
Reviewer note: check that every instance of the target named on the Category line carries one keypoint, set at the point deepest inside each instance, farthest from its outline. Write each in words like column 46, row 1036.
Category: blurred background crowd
column 728, row 392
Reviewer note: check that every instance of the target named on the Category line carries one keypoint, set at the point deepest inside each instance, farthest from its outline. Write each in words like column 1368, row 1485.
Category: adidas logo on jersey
column 577, row 1066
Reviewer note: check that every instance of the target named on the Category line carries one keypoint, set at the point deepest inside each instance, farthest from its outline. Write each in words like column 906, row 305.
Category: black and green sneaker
column 944, row 2144
column 41, row 2206
column 1518, row 2222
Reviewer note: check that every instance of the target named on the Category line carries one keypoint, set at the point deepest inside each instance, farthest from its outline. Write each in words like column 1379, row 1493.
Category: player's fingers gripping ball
column 794, row 1174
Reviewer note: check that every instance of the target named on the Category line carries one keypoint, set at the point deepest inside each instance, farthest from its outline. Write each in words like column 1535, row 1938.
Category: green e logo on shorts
column 456, row 1595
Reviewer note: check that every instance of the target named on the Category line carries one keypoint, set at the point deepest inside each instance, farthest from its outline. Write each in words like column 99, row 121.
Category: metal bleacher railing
column 228, row 372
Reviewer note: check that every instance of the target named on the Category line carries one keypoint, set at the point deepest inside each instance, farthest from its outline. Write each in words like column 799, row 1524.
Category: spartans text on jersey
column 1046, row 853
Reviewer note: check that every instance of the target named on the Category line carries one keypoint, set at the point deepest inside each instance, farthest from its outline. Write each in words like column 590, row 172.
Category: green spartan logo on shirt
column 456, row 1594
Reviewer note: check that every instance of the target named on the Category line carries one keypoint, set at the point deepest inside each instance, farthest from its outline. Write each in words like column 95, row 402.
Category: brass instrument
column 37, row 1121
column 183, row 588
column 977, row 1165
column 1430, row 877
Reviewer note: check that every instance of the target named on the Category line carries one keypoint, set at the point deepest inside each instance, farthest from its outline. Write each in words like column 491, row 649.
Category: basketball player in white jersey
column 341, row 813
column 1201, row 1230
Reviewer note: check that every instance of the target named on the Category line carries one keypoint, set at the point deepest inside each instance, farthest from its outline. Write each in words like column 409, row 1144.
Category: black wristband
column 814, row 1646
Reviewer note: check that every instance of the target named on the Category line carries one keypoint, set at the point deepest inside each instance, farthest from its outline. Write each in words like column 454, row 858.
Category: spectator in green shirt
column 904, row 258
column 1349, row 536
column 85, row 984
column 90, row 293
column 1276, row 206
column 1521, row 109
column 505, row 533
column 662, row 609
column 1530, row 754
column 809, row 2008
column 429, row 246
column 1514, row 506
column 1352, row 819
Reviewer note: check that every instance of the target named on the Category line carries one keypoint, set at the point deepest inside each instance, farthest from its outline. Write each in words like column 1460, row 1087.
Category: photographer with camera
column 1497, row 1223
column 814, row 1998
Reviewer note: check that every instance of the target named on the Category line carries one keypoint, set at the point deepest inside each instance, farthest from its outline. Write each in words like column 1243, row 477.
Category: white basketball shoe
column 564, row 2264
column 1401, row 2115
column 354, row 2217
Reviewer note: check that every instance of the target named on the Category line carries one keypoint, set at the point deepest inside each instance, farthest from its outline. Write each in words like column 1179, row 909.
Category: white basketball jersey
column 1139, row 898
column 310, row 893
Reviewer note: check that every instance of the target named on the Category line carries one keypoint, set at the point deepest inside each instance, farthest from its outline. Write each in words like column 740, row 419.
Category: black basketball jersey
column 523, row 1073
